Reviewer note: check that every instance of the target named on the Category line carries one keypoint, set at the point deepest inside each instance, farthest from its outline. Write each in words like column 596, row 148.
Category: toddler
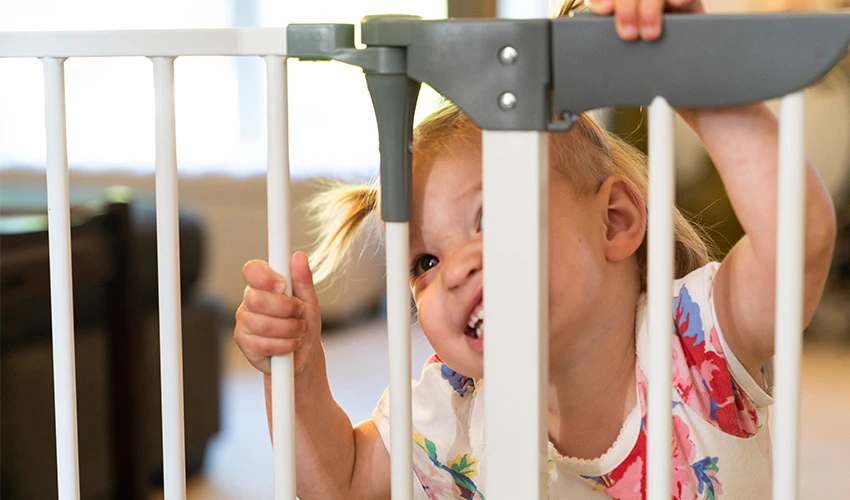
column 598, row 341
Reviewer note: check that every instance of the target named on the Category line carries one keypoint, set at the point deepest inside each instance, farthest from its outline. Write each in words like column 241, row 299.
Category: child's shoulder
column 443, row 403
column 700, row 280
column 693, row 308
column 693, row 303
column 707, row 376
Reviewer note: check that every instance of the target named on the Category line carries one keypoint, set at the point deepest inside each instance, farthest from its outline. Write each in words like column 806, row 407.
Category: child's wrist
column 304, row 383
column 695, row 115
column 310, row 372
column 301, row 375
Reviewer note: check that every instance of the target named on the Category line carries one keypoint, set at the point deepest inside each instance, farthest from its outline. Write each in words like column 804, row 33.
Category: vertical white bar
column 168, row 262
column 277, row 179
column 789, row 297
column 660, row 296
column 61, row 291
column 398, row 327
column 516, row 238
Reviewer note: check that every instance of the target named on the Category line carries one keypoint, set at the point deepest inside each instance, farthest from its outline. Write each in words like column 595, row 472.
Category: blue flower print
column 687, row 318
column 459, row 383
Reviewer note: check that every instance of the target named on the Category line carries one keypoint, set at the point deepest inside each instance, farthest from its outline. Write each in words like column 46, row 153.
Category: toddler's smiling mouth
column 475, row 324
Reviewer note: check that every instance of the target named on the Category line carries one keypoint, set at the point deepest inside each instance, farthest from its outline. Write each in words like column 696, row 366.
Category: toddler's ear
column 625, row 218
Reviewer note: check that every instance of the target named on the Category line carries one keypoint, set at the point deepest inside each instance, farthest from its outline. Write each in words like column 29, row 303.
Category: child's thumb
column 302, row 278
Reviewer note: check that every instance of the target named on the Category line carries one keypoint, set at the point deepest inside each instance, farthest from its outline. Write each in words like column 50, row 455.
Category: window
column 220, row 101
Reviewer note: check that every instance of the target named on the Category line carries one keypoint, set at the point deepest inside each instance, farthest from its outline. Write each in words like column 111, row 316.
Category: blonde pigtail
column 339, row 213
column 571, row 6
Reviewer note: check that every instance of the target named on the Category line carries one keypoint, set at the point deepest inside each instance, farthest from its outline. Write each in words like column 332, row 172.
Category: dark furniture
column 117, row 350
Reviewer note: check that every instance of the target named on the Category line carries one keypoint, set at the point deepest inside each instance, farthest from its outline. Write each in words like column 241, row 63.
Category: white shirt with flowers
column 721, row 447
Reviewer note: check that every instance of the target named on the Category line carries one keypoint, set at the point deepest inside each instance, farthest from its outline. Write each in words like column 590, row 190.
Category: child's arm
column 341, row 461
column 743, row 144
column 334, row 459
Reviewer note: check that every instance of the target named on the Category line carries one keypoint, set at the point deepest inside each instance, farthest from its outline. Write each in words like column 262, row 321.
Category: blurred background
column 220, row 108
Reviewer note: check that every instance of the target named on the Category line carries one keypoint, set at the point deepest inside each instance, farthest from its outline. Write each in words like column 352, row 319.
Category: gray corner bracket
column 496, row 70
column 394, row 96
column 536, row 74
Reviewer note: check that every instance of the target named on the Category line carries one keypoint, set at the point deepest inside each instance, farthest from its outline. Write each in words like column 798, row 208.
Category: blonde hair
column 586, row 156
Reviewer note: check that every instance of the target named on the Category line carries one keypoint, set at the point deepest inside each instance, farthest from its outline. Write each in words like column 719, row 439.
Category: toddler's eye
column 422, row 264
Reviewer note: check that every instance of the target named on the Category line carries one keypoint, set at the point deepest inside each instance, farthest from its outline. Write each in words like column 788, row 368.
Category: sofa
column 117, row 346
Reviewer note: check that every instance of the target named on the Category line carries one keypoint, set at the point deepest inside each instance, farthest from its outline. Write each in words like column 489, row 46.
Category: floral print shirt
column 720, row 442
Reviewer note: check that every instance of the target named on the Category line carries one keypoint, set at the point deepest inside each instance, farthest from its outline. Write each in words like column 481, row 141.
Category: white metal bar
column 168, row 262
column 173, row 43
column 790, row 239
column 280, row 253
column 516, row 238
column 61, row 290
column 398, row 328
column 660, row 296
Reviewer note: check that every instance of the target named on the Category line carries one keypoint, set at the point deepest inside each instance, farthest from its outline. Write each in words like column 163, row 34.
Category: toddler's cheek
column 428, row 321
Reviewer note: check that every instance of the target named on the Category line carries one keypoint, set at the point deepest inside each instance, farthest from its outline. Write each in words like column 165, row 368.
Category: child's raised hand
column 641, row 18
column 270, row 323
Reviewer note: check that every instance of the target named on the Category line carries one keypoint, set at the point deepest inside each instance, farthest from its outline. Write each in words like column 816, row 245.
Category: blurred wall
column 233, row 211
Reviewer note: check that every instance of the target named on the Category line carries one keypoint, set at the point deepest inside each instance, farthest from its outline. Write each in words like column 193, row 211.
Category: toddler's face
column 447, row 264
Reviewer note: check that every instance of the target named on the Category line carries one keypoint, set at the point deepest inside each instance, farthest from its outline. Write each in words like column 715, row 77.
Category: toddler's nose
column 463, row 265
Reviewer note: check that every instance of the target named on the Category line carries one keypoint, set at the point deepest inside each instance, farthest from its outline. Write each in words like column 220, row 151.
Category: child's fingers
column 250, row 324
column 626, row 18
column 272, row 304
column 258, row 349
column 277, row 347
column 641, row 18
column 600, row 7
column 649, row 18
column 302, row 278
column 693, row 6
column 259, row 275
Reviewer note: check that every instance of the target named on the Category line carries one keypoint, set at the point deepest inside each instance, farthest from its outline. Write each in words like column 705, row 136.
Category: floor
column 239, row 460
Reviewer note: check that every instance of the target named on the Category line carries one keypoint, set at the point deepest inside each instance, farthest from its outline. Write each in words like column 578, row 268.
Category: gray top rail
column 537, row 74
column 577, row 64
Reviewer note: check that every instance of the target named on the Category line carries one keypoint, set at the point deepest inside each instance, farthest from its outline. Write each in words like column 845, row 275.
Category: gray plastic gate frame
column 520, row 74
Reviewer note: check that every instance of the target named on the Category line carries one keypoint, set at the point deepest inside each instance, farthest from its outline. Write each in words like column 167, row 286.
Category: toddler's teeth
column 478, row 332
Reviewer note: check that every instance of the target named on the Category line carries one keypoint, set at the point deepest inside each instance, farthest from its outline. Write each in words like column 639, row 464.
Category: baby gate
column 518, row 75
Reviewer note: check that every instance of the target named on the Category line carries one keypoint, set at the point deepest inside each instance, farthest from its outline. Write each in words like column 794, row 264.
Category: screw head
column 507, row 101
column 508, row 55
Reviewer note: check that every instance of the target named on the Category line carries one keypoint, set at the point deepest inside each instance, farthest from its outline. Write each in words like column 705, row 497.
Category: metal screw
column 508, row 55
column 507, row 100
